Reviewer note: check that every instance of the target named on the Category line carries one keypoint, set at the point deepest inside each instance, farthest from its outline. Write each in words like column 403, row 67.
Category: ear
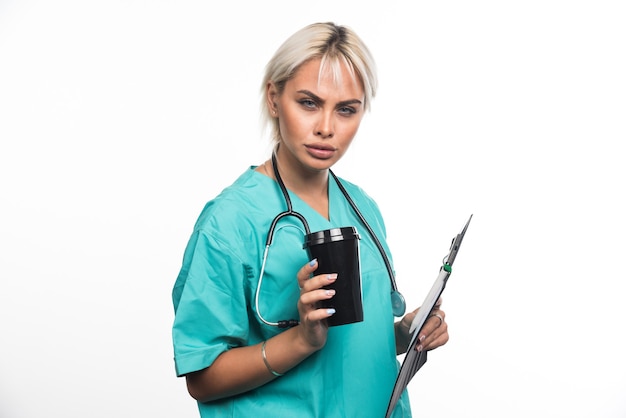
column 271, row 94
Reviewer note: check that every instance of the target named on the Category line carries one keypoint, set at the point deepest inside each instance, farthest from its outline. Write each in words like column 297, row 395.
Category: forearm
column 242, row 369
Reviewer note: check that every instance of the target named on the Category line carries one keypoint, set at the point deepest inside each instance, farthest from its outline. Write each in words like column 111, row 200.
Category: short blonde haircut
column 333, row 45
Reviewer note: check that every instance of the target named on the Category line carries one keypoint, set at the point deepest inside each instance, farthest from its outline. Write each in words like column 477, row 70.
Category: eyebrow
column 320, row 100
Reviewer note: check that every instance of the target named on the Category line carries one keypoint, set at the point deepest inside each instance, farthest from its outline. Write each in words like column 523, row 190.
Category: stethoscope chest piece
column 398, row 305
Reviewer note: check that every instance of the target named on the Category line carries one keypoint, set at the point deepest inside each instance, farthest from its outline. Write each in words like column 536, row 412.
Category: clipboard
column 414, row 360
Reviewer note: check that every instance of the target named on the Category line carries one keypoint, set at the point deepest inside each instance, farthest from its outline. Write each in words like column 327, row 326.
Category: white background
column 120, row 119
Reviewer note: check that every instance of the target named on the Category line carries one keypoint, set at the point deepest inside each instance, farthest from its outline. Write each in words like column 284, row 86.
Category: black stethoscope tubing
column 289, row 211
column 397, row 300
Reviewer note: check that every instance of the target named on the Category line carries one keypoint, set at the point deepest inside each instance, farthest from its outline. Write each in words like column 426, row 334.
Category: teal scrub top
column 214, row 304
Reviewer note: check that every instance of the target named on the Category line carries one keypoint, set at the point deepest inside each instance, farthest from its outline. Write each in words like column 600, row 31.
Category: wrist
column 303, row 345
column 267, row 363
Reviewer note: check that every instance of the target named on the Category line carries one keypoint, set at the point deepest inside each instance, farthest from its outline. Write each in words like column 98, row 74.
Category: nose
column 325, row 127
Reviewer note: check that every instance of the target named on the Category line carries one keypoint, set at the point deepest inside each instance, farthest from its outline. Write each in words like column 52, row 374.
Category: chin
column 322, row 165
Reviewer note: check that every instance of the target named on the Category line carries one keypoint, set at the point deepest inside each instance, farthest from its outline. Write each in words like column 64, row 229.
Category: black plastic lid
column 330, row 235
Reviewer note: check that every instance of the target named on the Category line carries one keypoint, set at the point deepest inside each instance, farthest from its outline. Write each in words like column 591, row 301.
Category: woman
column 316, row 90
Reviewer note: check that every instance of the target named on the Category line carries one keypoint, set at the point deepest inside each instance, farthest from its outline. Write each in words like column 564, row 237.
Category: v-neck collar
column 311, row 215
column 338, row 206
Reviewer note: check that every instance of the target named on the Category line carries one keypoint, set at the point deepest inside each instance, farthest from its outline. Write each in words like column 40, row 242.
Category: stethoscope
column 398, row 305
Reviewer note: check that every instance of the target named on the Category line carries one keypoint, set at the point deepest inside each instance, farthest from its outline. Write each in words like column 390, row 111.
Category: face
column 318, row 117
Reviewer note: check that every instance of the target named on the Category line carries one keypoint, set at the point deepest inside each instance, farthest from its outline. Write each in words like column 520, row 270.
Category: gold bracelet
column 272, row 371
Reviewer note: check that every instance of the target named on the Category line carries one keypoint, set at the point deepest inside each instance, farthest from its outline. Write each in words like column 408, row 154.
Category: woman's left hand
column 434, row 333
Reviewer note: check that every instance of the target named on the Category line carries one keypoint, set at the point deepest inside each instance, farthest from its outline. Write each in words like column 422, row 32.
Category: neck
column 300, row 180
column 310, row 186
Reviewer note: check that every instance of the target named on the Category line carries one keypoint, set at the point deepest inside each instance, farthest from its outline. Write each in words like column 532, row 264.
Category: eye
column 346, row 110
column 308, row 103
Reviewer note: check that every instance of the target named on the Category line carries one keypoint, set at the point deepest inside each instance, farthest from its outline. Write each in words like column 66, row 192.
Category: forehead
column 327, row 76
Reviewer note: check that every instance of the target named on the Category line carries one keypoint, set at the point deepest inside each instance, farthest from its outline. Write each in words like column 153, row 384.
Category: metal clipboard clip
column 454, row 248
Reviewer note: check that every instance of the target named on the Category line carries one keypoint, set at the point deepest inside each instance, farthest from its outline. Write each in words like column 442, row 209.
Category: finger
column 317, row 282
column 437, row 339
column 437, row 317
column 304, row 274
column 320, row 314
column 407, row 320
column 314, row 296
column 434, row 321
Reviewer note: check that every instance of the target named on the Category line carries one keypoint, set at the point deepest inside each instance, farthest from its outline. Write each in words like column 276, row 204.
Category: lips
column 323, row 151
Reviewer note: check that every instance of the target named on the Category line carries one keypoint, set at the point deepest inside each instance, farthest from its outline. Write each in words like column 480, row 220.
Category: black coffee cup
column 337, row 251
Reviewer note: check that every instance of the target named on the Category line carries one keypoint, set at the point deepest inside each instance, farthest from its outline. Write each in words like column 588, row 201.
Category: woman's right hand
column 313, row 329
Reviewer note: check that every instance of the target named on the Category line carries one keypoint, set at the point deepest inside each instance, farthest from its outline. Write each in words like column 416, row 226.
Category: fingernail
column 313, row 262
column 331, row 277
column 330, row 292
column 422, row 338
column 330, row 311
column 419, row 348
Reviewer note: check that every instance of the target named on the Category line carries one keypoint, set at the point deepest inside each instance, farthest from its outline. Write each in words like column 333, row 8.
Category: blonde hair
column 334, row 45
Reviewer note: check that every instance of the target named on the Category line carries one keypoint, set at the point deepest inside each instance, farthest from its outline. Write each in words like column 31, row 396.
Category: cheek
column 294, row 125
column 349, row 130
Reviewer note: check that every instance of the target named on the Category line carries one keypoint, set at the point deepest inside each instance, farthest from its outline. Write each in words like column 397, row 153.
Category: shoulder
column 360, row 197
column 236, row 208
